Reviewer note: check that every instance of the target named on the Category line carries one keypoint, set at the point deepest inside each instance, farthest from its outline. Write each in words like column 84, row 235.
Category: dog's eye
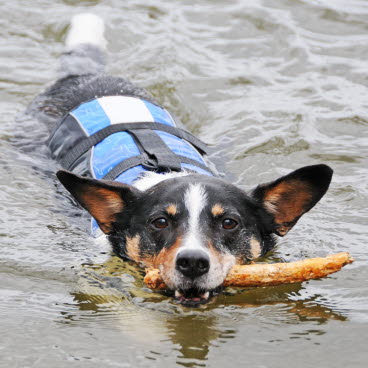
column 160, row 223
column 229, row 224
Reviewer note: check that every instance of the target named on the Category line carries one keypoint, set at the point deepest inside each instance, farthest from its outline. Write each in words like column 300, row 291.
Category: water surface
column 275, row 85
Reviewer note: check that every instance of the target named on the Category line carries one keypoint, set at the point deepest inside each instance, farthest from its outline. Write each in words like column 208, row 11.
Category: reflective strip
column 122, row 109
column 98, row 114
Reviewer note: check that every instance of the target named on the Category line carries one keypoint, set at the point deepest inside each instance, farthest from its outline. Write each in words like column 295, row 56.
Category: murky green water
column 277, row 85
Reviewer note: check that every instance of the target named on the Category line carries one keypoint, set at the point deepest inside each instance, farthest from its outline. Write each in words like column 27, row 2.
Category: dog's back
column 107, row 101
column 82, row 73
column 105, row 127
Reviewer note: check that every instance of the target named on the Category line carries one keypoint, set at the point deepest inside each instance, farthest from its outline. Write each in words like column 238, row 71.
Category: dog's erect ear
column 103, row 200
column 289, row 197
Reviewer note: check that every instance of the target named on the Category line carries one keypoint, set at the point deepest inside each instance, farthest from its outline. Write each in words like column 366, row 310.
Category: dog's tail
column 85, row 46
column 86, row 29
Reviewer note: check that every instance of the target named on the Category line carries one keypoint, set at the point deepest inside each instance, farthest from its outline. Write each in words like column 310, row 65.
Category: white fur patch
column 150, row 179
column 195, row 199
column 86, row 28
column 219, row 269
column 255, row 248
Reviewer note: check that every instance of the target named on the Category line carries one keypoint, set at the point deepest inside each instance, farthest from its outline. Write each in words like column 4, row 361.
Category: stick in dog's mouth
column 257, row 275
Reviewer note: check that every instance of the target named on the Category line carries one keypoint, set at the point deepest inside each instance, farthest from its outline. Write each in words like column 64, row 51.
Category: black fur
column 128, row 212
column 83, row 80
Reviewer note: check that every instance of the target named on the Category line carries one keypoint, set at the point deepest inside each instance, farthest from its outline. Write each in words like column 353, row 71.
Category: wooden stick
column 272, row 273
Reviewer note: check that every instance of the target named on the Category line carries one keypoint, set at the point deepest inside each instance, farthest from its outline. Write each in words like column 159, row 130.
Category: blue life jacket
column 121, row 137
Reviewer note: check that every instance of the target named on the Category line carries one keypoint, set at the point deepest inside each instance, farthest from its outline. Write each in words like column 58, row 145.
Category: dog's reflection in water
column 116, row 293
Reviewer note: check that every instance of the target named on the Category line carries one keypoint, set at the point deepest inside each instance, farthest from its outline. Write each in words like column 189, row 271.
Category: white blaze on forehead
column 195, row 199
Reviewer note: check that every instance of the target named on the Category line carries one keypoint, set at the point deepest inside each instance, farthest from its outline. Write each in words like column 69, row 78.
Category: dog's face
column 194, row 228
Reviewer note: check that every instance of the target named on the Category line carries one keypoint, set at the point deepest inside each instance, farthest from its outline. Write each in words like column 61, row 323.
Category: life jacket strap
column 156, row 149
column 87, row 143
column 149, row 164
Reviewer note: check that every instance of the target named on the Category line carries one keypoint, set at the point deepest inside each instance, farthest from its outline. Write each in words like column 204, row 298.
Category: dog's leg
column 84, row 47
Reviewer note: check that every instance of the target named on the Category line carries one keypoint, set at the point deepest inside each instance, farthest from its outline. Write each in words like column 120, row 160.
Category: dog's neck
column 150, row 178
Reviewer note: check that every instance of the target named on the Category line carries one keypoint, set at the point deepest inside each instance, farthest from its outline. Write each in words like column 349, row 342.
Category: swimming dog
column 148, row 183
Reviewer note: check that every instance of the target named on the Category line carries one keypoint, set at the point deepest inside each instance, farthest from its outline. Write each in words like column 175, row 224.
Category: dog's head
column 194, row 228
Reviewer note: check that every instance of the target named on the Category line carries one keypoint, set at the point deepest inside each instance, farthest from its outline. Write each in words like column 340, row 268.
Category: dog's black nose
column 192, row 263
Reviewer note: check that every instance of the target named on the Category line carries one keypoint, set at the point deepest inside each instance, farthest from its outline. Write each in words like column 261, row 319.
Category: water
column 276, row 85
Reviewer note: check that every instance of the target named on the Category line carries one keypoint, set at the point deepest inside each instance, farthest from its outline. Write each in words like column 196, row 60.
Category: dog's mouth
column 193, row 297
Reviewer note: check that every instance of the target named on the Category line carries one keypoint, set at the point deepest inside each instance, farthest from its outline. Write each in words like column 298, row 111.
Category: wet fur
column 126, row 213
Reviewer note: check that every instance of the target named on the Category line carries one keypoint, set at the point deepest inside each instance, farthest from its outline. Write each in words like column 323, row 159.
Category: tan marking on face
column 219, row 256
column 165, row 262
column 217, row 210
column 132, row 248
column 172, row 209
column 255, row 248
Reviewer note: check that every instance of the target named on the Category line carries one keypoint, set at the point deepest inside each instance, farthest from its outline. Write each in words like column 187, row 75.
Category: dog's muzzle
column 192, row 263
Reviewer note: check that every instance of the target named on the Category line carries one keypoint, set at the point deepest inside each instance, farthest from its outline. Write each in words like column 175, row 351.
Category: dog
column 148, row 184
